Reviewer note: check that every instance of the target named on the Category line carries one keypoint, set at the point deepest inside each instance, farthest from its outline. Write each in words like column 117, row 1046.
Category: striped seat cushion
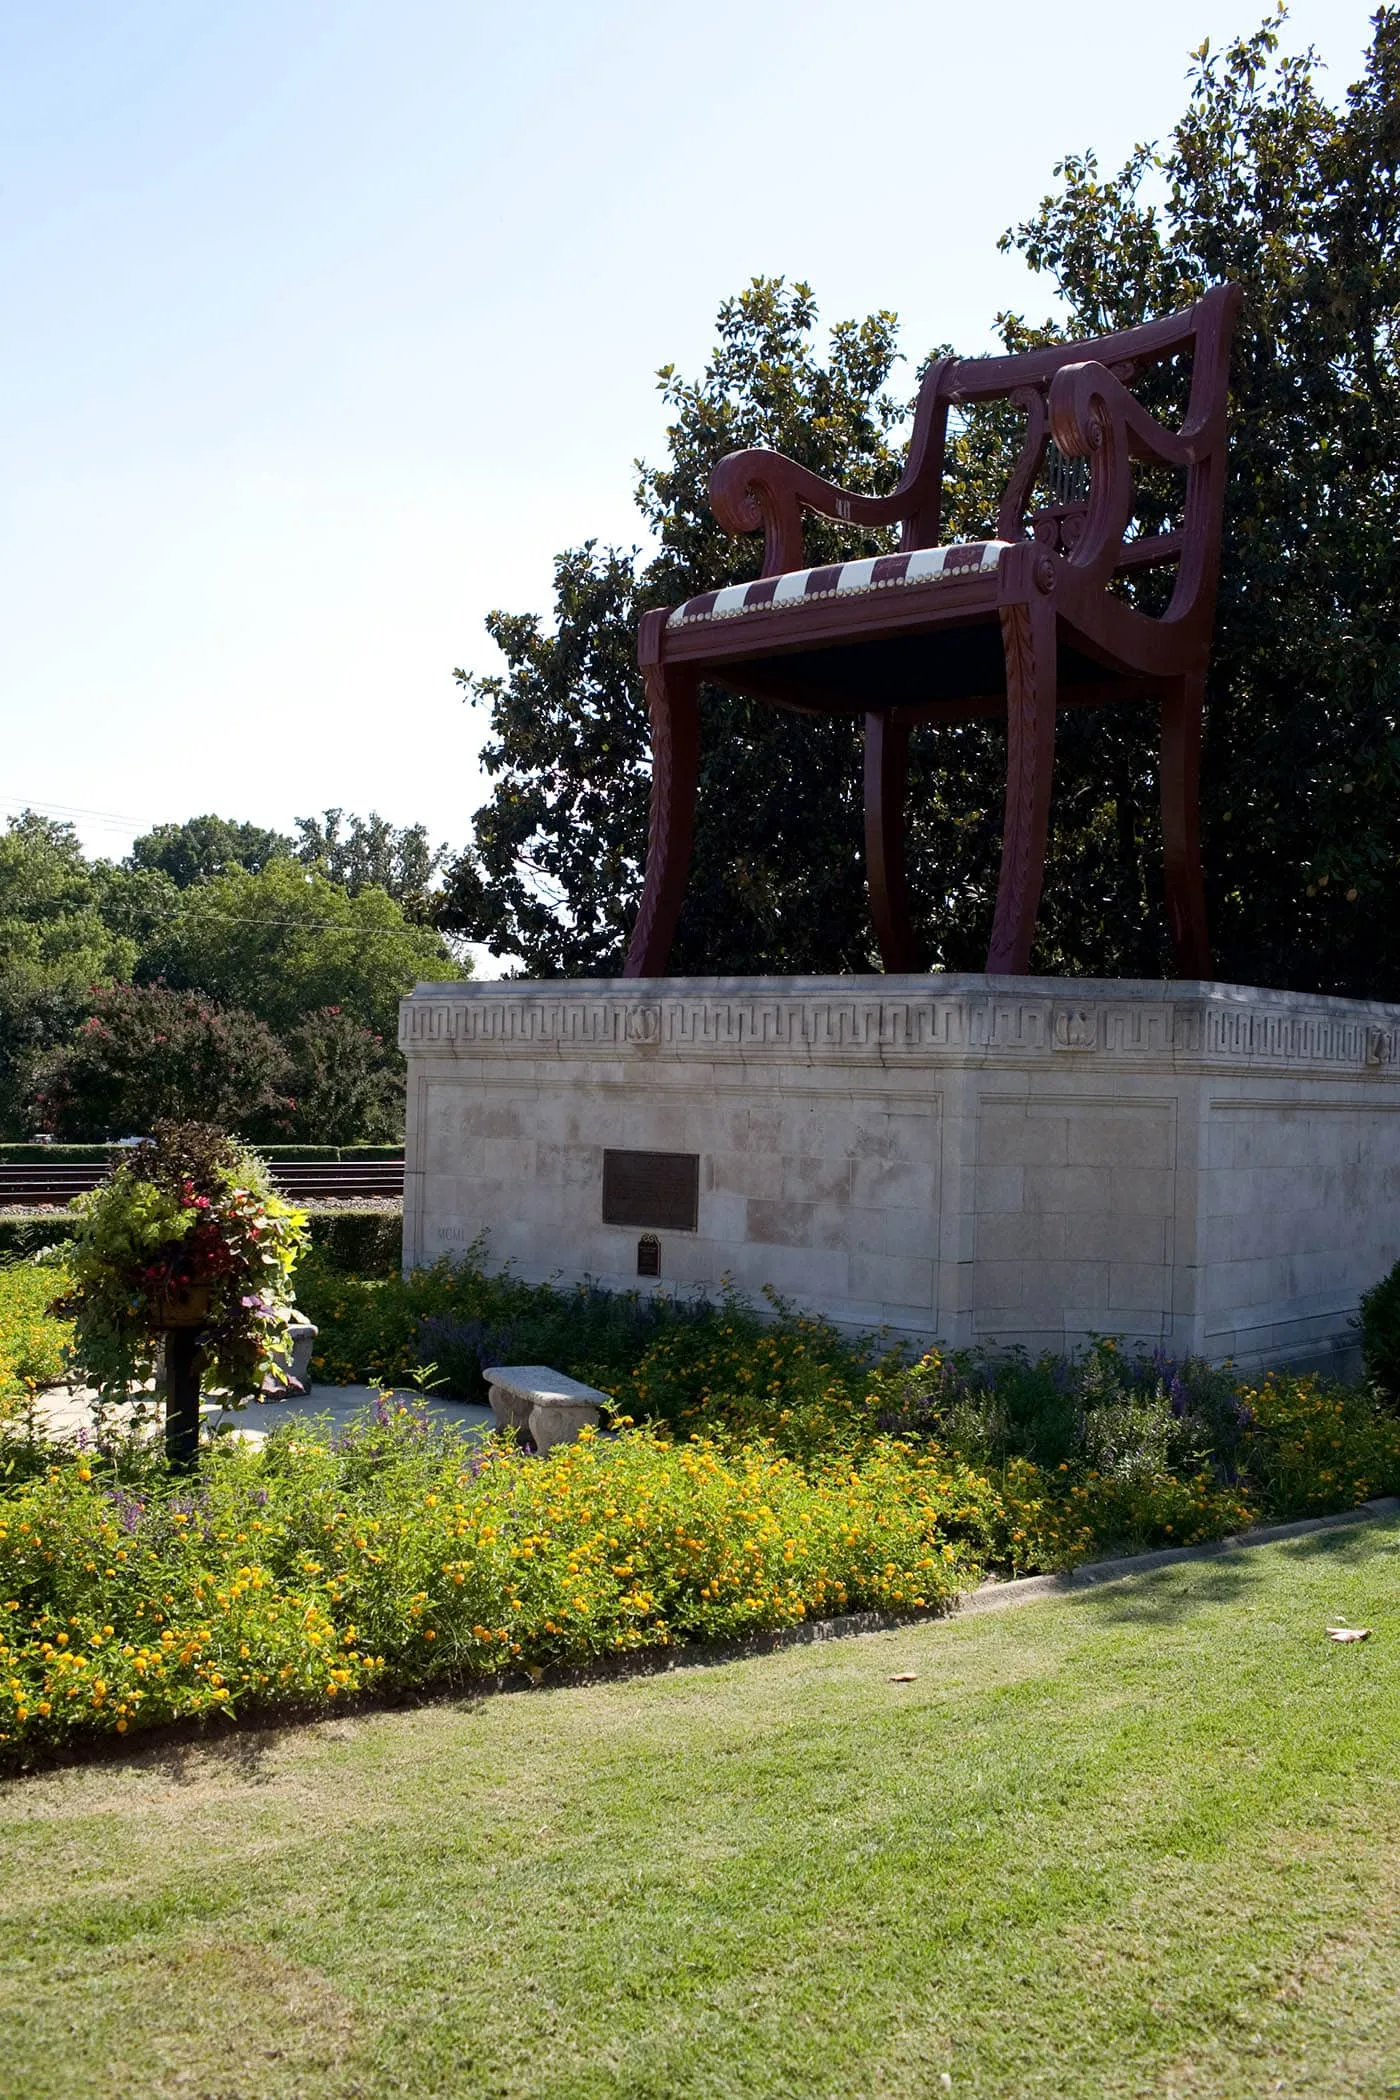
column 847, row 579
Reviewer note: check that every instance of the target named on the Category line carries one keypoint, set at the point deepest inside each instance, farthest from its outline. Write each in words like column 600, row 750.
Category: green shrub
column 346, row 1081
column 1138, row 1426
column 350, row 1242
column 458, row 1316
column 1316, row 1445
column 1121, row 1414
column 146, row 1054
column 1380, row 1333
column 723, row 1369
column 768, row 1489
column 32, row 1341
column 25, row 1234
column 35, row 1155
column 778, row 1472
column 397, row 1556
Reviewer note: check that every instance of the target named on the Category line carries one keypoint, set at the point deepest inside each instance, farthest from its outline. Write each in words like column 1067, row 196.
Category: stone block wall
column 971, row 1159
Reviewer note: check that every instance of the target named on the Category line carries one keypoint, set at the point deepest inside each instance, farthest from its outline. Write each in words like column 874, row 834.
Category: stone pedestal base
column 1031, row 1161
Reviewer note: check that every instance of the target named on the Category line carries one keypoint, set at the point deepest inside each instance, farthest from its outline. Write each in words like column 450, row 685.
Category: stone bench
column 292, row 1367
column 543, row 1405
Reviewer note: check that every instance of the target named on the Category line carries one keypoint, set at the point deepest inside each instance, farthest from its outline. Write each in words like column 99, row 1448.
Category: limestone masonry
column 972, row 1159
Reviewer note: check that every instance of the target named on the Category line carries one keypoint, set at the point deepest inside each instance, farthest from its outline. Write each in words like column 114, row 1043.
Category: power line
column 111, row 817
column 233, row 918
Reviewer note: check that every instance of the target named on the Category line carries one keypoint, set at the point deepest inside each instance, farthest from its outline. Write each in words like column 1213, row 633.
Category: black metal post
column 181, row 1398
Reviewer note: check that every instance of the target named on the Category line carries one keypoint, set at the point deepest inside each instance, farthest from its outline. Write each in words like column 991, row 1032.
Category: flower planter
column 191, row 1309
column 187, row 1204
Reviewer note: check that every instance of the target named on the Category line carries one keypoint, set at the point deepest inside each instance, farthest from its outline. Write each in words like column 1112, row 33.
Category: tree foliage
column 363, row 853
column 288, row 940
column 55, row 929
column 347, row 1083
column 561, row 843
column 1264, row 182
column 55, row 941
column 282, row 948
column 145, row 1054
column 205, row 846
column 359, row 853
column 1261, row 180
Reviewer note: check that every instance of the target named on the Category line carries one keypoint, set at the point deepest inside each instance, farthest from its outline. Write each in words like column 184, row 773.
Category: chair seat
column 847, row 579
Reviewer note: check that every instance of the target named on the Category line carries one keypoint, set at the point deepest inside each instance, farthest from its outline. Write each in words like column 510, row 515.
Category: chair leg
column 1028, row 637
column 673, row 701
column 886, row 778
column 1181, row 826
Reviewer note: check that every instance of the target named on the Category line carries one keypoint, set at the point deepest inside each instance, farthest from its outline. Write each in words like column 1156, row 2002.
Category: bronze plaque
column 660, row 1190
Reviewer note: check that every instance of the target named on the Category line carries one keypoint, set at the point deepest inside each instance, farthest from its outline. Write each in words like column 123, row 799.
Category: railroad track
column 303, row 1181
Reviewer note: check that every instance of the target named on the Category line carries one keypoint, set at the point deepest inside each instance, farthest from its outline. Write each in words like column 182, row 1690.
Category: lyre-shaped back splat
column 1014, row 504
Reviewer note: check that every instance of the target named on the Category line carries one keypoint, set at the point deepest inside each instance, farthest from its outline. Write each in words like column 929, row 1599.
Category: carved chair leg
column 886, row 778
column 1181, row 827
column 673, row 700
column 1028, row 637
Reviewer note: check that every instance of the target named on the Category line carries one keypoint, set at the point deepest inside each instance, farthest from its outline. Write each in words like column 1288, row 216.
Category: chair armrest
column 753, row 490
column 1094, row 417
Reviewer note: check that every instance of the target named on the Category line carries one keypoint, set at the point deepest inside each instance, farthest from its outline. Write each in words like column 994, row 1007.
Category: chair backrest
column 1023, row 379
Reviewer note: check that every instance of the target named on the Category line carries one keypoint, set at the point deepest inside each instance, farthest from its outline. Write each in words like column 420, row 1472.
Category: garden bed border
column 202, row 1730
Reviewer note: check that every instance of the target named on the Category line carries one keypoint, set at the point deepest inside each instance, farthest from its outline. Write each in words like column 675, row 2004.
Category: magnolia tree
column 185, row 1242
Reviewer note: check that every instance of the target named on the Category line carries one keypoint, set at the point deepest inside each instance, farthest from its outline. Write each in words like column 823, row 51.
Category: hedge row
column 349, row 1241
column 30, row 1155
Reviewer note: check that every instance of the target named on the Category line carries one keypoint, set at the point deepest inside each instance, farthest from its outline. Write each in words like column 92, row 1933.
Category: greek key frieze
column 1276, row 1030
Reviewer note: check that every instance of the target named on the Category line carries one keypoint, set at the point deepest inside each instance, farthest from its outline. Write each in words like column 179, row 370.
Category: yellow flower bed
column 1321, row 1446
column 309, row 1571
column 784, row 1479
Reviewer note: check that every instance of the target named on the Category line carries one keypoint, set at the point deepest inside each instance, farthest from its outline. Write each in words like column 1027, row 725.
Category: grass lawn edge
column 1029, row 1589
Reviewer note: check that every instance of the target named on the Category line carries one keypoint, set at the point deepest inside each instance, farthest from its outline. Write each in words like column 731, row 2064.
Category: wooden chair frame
column 1065, row 638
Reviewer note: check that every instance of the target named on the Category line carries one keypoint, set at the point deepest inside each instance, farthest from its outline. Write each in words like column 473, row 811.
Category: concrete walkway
column 62, row 1412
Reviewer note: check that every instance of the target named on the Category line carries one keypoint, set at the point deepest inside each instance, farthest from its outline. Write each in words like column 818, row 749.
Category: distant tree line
column 1262, row 180
column 221, row 970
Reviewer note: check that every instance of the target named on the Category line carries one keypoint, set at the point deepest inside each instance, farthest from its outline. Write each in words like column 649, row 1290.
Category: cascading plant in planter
column 185, row 1240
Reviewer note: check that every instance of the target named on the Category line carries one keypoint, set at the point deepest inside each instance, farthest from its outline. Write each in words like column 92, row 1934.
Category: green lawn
column 1141, row 1841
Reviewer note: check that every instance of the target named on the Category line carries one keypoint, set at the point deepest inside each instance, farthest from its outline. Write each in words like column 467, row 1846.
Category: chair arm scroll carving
column 1094, row 417
column 758, row 490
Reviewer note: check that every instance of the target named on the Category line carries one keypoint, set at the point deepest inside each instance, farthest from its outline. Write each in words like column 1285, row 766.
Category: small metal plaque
column 660, row 1190
column 648, row 1255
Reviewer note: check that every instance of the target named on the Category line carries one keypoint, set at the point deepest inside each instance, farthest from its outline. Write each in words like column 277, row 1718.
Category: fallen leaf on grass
column 1348, row 1633
column 906, row 1677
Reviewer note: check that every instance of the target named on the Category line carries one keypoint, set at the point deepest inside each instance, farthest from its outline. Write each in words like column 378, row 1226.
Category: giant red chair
column 1015, row 627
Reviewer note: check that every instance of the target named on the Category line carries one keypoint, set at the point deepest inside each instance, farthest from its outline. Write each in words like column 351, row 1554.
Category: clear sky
column 327, row 325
